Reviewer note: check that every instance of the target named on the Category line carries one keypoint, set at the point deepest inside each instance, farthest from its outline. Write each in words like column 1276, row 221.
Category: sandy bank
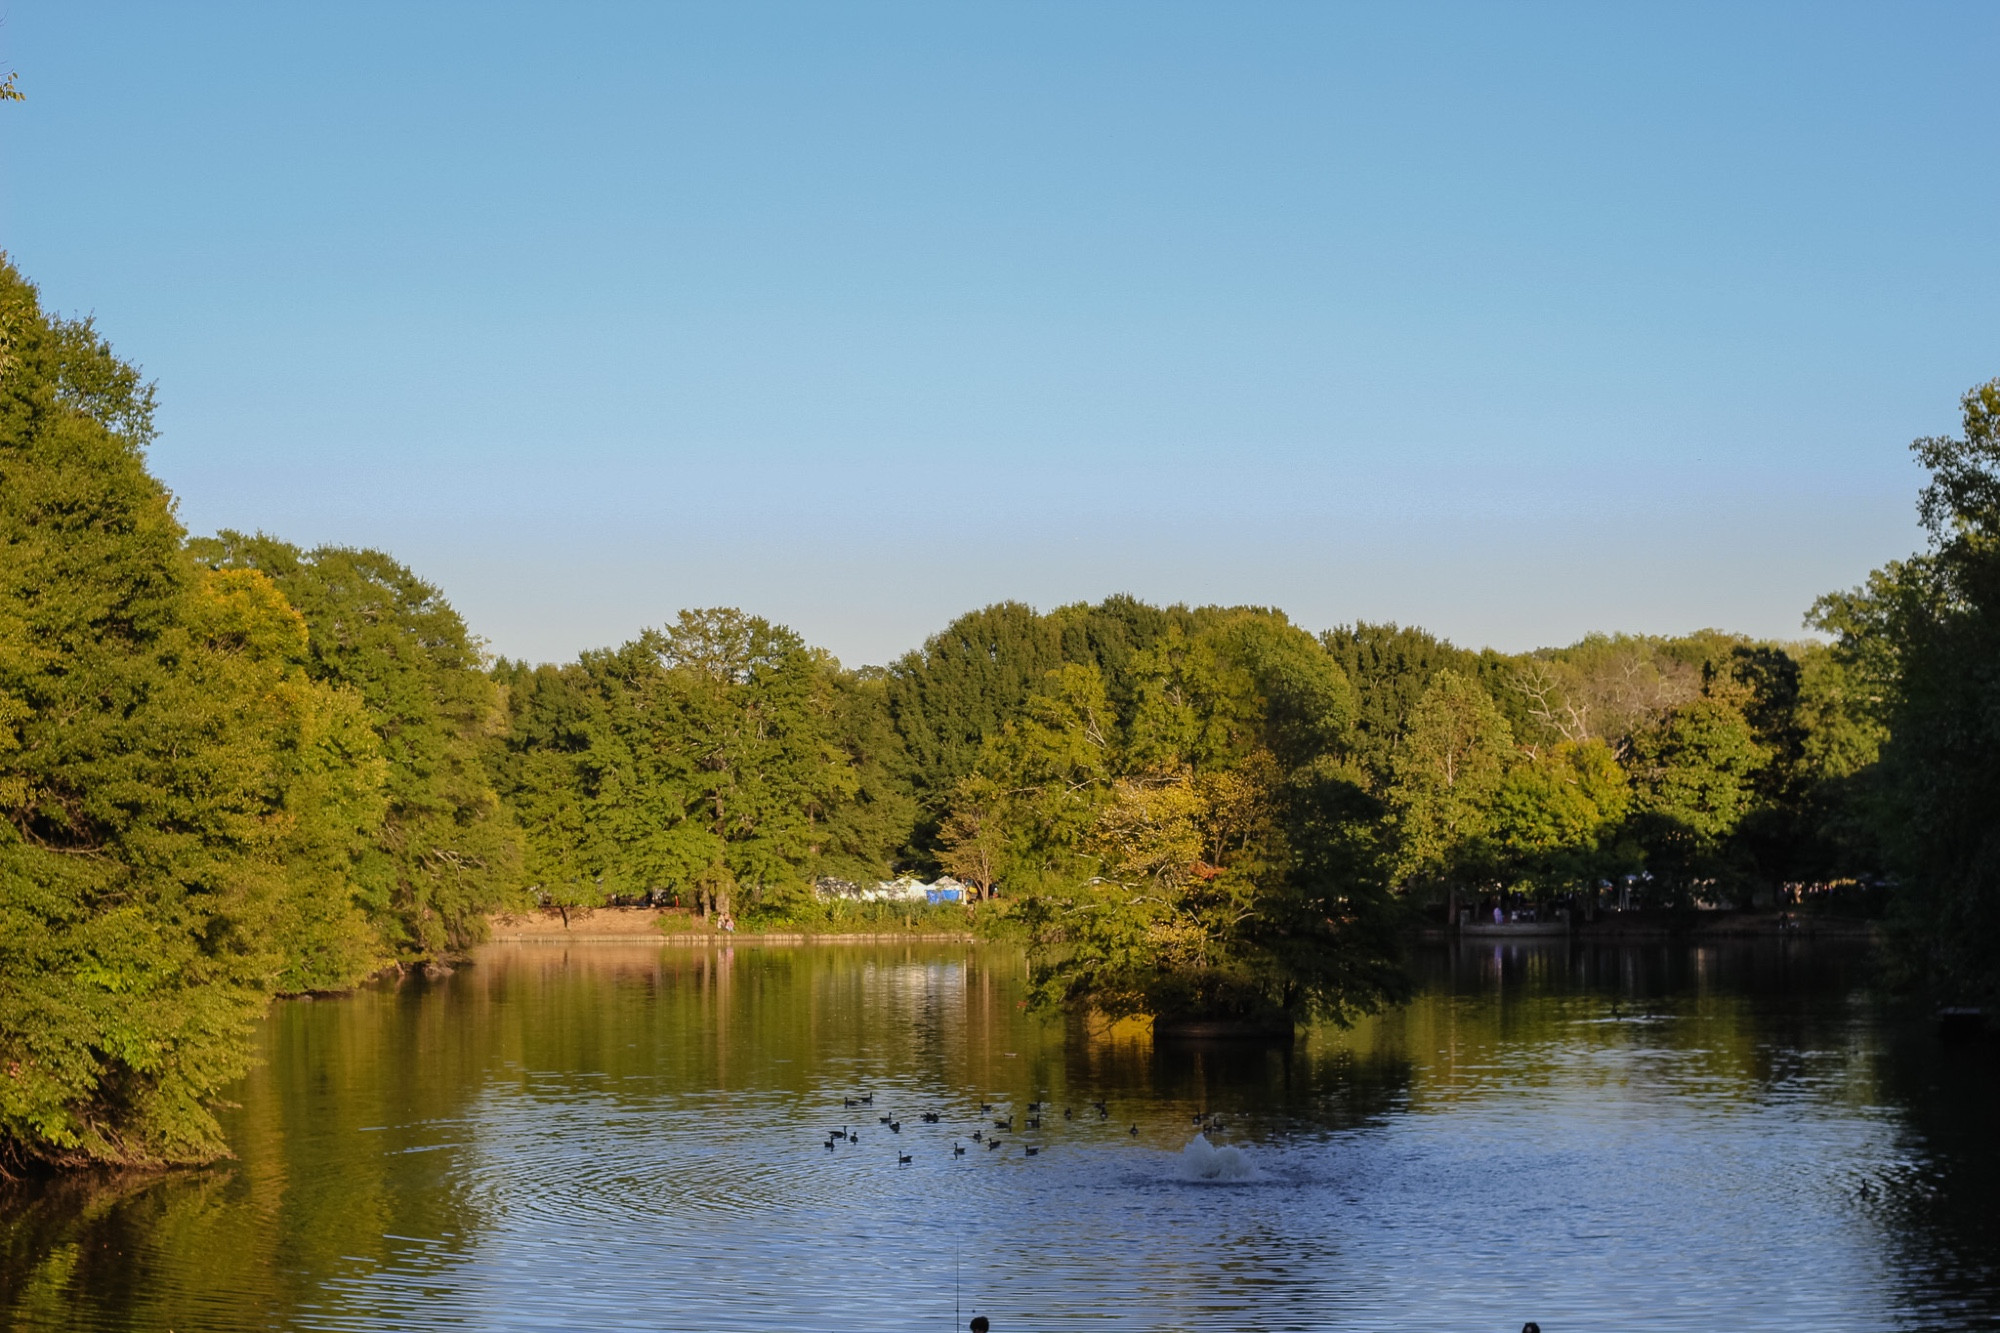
column 631, row 925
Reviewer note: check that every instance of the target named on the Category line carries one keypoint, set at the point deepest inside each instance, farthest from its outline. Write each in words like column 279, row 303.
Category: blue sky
column 1514, row 322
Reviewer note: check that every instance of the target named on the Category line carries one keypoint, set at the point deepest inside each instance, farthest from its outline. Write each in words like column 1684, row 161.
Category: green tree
column 1445, row 773
column 717, row 758
column 752, row 730
column 948, row 697
column 1390, row 667
column 1199, row 862
column 446, row 854
column 1923, row 637
column 977, row 674
column 1695, row 778
column 177, row 798
column 861, row 834
column 1558, row 819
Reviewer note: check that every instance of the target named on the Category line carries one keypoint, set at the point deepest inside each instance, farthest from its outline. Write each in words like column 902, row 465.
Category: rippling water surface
column 617, row 1137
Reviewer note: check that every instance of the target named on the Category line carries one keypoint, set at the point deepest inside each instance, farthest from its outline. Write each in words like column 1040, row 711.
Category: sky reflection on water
column 610, row 1136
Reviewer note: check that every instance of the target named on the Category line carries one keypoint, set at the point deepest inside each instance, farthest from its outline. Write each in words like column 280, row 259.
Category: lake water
column 618, row 1137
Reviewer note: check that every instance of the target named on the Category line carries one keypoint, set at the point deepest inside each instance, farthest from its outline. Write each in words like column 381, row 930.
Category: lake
column 616, row 1136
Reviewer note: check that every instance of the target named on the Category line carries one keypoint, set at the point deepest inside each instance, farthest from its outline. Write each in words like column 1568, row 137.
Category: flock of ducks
column 1036, row 1113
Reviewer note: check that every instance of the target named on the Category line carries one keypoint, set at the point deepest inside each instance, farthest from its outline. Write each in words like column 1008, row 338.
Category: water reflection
column 610, row 1136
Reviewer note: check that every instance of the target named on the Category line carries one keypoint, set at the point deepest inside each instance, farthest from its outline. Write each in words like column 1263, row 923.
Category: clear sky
column 1514, row 322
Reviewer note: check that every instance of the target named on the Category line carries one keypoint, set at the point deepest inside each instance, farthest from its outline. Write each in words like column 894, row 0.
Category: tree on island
column 1203, row 855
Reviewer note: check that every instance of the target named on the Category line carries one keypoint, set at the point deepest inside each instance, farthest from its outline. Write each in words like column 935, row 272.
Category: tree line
column 231, row 768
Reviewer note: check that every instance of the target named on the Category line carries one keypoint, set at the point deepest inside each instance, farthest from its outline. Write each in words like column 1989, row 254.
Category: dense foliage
column 179, row 795
column 208, row 797
column 1920, row 643
column 718, row 759
column 443, row 854
column 231, row 768
column 1201, row 851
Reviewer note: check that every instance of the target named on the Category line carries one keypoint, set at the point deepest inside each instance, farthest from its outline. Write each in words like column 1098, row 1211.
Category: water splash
column 1202, row 1160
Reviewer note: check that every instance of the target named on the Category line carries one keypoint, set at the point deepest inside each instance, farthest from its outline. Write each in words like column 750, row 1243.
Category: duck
column 849, row 1101
column 829, row 1143
column 895, row 1126
column 976, row 1135
column 1068, row 1114
column 1033, row 1151
column 932, row 1117
column 986, row 1108
column 958, row 1150
column 867, row 1099
column 1134, row 1131
column 991, row 1144
column 1034, row 1122
column 1034, row 1107
column 1008, row 1123
column 902, row 1159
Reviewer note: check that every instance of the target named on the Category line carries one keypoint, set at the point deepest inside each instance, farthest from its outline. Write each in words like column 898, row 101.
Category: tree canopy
column 232, row 768
column 180, row 796
column 1918, row 647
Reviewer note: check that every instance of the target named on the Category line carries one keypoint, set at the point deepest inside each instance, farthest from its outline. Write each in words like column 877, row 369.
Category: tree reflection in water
column 605, row 1133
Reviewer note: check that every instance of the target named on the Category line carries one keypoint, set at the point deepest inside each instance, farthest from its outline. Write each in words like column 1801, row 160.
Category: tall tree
column 977, row 674
column 1925, row 634
column 1558, row 819
column 1200, row 861
column 175, row 795
column 1446, row 770
column 446, row 854
column 1695, row 773
column 1390, row 667
column 717, row 758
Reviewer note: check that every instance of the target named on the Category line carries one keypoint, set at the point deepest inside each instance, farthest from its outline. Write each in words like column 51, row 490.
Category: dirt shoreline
column 642, row 925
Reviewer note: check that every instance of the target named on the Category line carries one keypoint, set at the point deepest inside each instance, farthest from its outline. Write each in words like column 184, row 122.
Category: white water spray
column 1202, row 1160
